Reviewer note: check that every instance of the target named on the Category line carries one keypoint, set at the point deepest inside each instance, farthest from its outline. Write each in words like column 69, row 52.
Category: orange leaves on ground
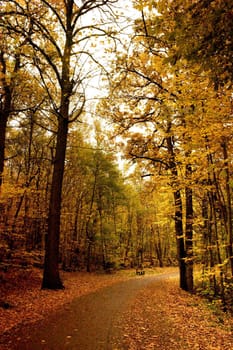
column 28, row 303
column 164, row 317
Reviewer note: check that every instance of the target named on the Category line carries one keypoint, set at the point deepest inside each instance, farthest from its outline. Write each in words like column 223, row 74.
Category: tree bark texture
column 181, row 253
column 51, row 278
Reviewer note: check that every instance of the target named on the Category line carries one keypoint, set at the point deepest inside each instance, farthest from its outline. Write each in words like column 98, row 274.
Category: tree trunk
column 128, row 243
column 180, row 239
column 88, row 263
column 189, row 232
column 229, row 209
column 206, row 232
column 51, row 278
column 181, row 254
column 158, row 248
column 3, row 123
column 103, row 243
column 5, row 107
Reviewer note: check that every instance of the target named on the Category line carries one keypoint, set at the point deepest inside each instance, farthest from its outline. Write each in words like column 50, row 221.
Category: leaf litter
column 161, row 317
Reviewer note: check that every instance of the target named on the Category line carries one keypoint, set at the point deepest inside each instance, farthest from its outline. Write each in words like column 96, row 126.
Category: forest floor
column 161, row 316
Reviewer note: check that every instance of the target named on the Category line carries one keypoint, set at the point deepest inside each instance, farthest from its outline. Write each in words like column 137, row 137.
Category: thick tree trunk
column 180, row 239
column 181, row 253
column 51, row 278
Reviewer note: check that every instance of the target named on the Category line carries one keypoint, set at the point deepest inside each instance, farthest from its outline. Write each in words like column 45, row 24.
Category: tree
column 55, row 39
column 150, row 109
column 9, row 67
column 165, row 111
column 93, row 194
column 201, row 33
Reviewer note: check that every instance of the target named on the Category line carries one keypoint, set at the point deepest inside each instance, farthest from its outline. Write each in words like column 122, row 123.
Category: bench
column 140, row 271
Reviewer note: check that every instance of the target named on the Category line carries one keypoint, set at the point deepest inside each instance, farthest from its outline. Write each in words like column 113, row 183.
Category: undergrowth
column 219, row 295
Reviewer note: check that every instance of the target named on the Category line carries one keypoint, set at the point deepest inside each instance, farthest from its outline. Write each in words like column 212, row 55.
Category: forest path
column 140, row 313
column 90, row 322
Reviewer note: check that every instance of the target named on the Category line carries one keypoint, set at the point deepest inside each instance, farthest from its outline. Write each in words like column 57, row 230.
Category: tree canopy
column 201, row 32
column 163, row 111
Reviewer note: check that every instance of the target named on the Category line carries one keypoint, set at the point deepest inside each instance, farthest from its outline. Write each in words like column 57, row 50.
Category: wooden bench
column 140, row 271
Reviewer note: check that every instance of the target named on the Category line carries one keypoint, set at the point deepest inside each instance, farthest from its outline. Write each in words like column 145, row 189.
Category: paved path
column 90, row 322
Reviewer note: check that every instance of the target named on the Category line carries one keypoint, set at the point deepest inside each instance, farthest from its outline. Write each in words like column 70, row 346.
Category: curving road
column 90, row 322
